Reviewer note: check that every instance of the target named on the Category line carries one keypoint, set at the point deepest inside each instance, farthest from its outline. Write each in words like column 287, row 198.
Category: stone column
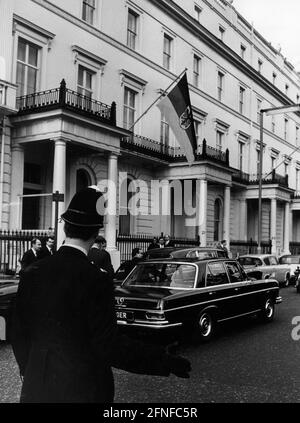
column 202, row 211
column 243, row 220
column 226, row 229
column 286, row 230
column 273, row 224
column 59, row 184
column 17, row 184
column 111, row 218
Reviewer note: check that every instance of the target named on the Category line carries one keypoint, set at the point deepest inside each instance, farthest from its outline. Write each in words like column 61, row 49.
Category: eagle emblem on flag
column 185, row 120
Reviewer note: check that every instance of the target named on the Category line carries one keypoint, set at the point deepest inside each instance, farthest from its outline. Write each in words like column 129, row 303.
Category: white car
column 269, row 265
column 294, row 262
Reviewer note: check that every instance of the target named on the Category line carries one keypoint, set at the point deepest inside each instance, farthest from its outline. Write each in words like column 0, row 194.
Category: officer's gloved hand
column 179, row 366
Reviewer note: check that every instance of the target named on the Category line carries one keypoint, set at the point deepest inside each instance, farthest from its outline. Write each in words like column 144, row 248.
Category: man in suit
column 64, row 332
column 168, row 242
column 100, row 257
column 31, row 255
column 47, row 250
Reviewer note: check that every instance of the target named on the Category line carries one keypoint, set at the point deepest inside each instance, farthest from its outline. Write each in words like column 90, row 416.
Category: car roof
column 258, row 255
column 183, row 260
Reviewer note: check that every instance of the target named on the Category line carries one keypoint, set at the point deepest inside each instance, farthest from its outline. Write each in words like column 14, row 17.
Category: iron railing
column 13, row 245
column 126, row 243
column 65, row 98
column 238, row 248
column 153, row 148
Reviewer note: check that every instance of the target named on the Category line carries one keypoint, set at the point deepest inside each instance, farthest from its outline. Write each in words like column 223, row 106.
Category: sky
column 278, row 21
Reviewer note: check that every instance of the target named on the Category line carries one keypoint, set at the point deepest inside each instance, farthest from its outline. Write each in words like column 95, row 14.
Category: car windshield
column 290, row 260
column 250, row 261
column 163, row 275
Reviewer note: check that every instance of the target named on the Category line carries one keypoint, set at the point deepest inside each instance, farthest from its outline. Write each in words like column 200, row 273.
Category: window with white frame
column 196, row 70
column 85, row 81
column 241, row 155
column 297, row 136
column 273, row 163
column 286, row 129
column 167, row 51
column 220, row 85
column 274, row 158
column 242, row 100
column 274, row 78
column 88, row 11
column 132, row 29
column 27, row 67
column 197, row 12
column 129, row 110
column 164, row 131
column 219, row 140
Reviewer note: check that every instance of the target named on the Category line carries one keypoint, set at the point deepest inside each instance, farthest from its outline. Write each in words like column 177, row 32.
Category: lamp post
column 268, row 112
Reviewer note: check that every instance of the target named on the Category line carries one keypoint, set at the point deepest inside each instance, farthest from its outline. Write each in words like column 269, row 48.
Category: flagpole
column 155, row 101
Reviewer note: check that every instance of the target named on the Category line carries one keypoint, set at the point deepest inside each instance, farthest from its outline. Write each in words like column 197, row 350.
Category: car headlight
column 155, row 316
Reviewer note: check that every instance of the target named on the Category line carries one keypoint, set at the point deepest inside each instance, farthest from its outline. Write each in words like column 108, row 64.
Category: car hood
column 139, row 297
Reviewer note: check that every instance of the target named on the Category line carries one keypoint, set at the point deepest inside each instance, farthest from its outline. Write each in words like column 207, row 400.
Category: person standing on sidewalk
column 64, row 331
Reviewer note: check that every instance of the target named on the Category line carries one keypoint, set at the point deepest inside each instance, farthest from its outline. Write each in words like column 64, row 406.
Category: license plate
column 125, row 315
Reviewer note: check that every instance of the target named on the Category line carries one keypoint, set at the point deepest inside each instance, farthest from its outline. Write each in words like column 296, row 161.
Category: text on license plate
column 124, row 315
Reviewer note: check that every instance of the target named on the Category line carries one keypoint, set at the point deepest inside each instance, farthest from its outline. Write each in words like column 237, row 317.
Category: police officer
column 64, row 335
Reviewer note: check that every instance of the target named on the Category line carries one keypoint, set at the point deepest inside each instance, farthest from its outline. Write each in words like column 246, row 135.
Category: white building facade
column 76, row 74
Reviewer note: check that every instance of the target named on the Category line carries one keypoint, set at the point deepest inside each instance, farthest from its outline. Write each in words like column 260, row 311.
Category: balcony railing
column 157, row 149
column 272, row 178
column 241, row 177
column 7, row 97
column 65, row 98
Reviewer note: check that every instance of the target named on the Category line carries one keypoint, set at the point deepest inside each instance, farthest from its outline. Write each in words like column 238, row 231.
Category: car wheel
column 298, row 288
column 205, row 327
column 268, row 310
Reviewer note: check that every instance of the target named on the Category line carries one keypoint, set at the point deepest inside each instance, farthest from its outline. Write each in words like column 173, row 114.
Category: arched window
column 217, row 220
column 83, row 179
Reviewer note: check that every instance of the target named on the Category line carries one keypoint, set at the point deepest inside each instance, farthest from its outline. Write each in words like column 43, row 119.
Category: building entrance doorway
column 31, row 209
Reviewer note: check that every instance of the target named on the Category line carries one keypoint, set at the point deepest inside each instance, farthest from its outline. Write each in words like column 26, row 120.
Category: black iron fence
column 249, row 247
column 13, row 245
column 126, row 243
column 63, row 97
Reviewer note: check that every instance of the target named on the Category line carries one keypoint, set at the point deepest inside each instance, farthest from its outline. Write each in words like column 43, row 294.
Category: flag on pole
column 177, row 110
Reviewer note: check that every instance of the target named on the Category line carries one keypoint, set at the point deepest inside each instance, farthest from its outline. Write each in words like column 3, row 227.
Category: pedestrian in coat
column 153, row 244
column 64, row 332
column 31, row 255
column 48, row 249
column 100, row 257
column 168, row 242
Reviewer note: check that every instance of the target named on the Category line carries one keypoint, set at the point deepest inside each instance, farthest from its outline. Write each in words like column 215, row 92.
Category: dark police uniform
column 67, row 344
column 64, row 332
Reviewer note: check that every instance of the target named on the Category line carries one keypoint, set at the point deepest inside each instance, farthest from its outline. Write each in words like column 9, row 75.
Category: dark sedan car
column 193, row 295
column 8, row 291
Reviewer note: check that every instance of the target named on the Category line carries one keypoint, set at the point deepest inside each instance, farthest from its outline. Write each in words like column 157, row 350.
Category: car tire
column 268, row 310
column 205, row 327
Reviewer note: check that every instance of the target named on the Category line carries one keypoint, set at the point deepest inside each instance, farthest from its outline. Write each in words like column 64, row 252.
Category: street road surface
column 247, row 362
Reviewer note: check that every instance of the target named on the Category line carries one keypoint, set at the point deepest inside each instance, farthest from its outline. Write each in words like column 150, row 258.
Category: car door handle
column 237, row 289
column 212, row 292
